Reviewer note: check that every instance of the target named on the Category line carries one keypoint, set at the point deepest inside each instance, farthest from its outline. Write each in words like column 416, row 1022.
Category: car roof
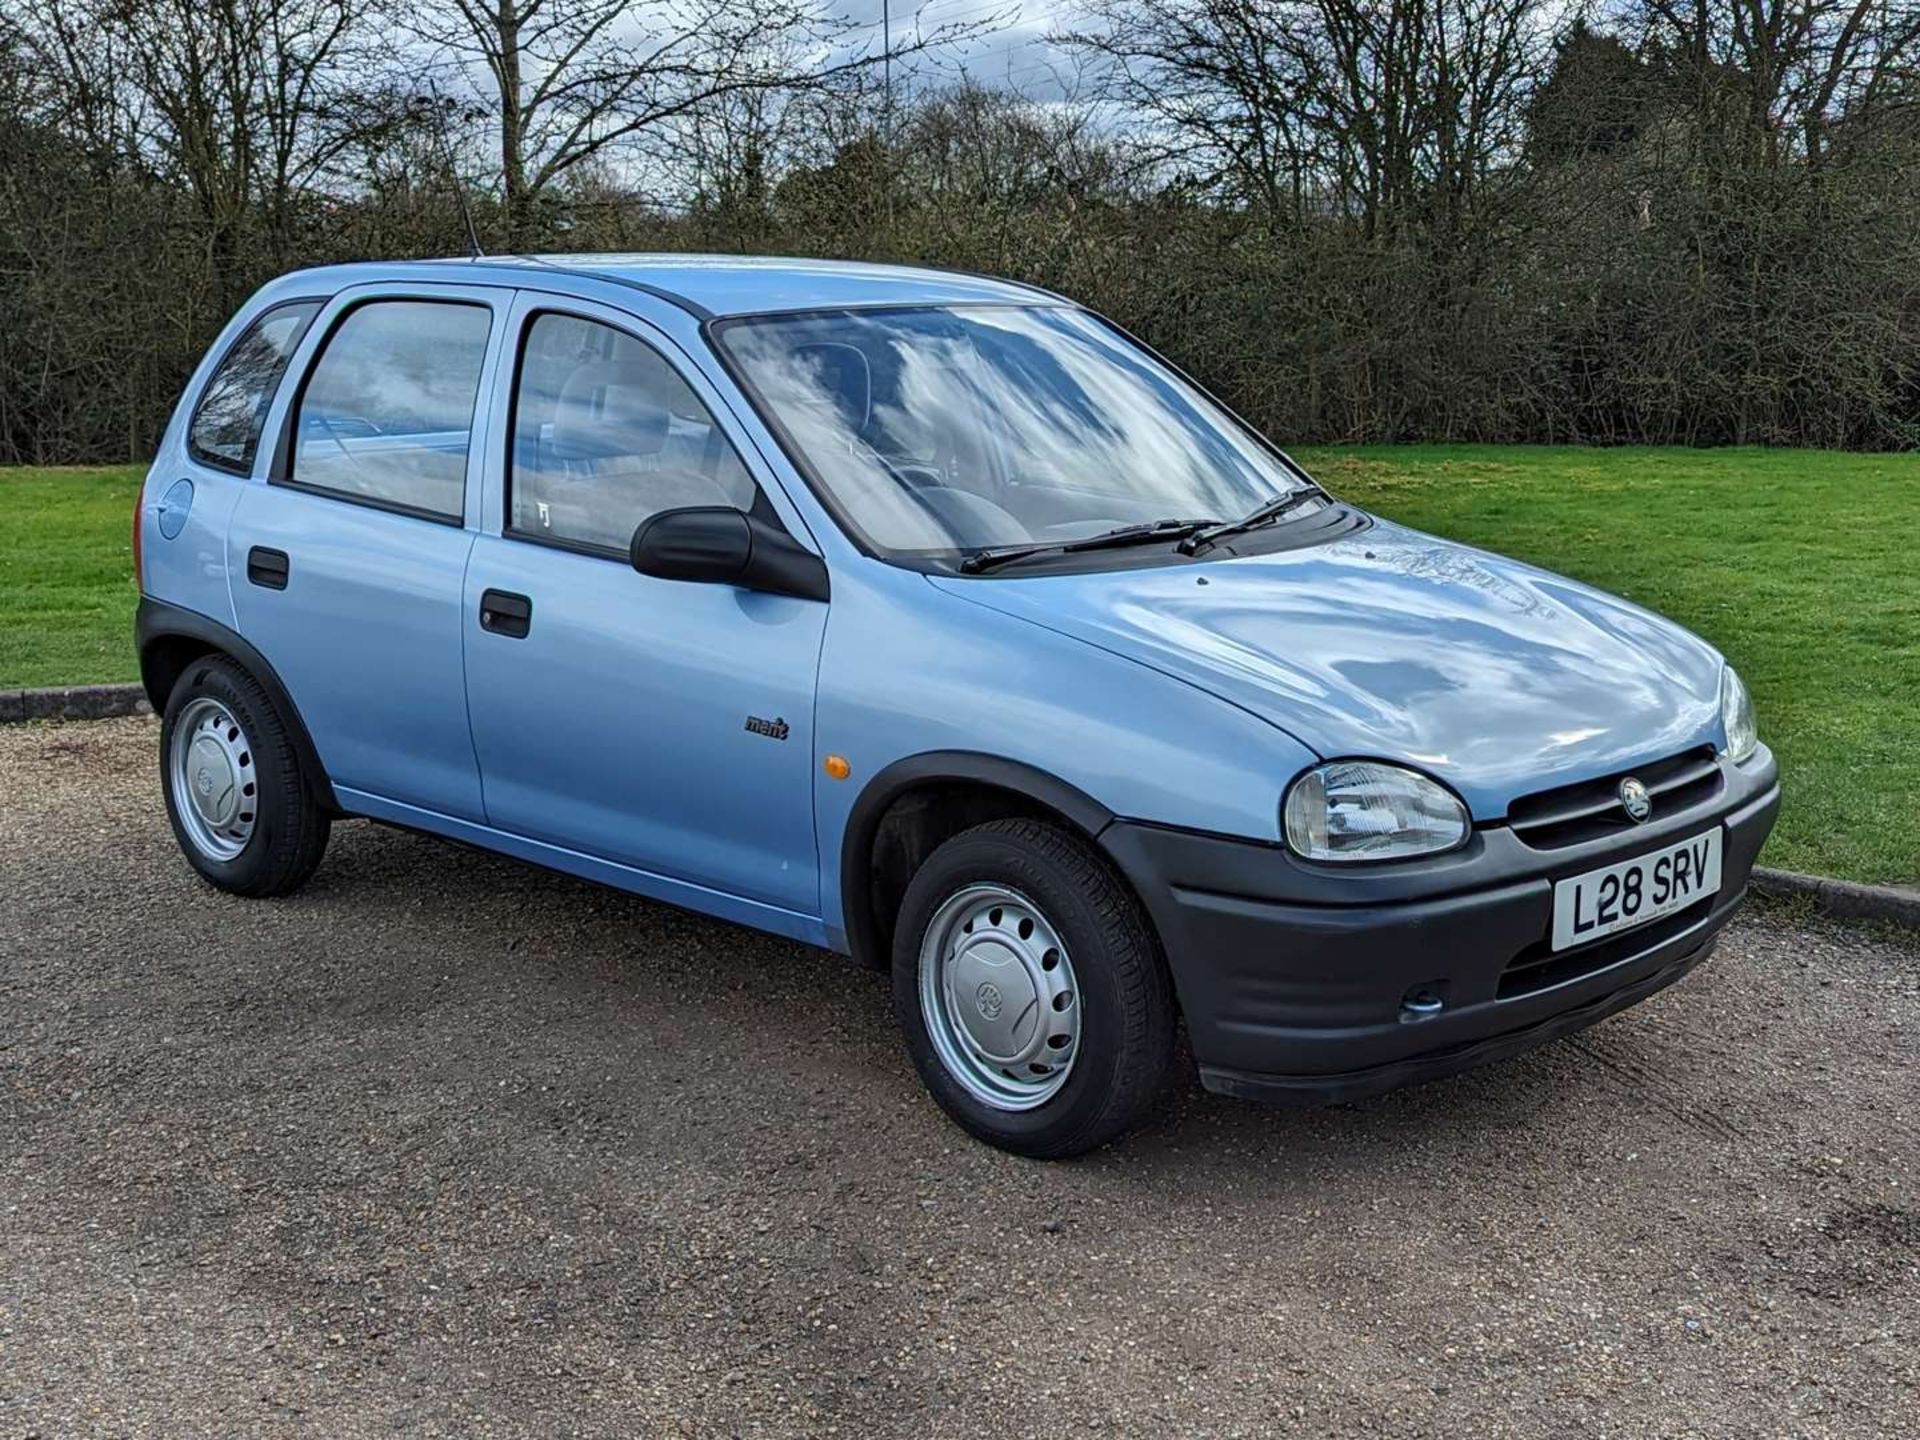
column 719, row 285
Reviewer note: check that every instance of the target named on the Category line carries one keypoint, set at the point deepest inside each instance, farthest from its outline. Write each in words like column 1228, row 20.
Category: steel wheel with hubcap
column 211, row 770
column 997, row 991
column 242, row 807
column 1030, row 988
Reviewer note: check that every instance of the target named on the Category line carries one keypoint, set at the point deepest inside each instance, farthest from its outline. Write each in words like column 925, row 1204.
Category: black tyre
column 1031, row 990
column 242, row 809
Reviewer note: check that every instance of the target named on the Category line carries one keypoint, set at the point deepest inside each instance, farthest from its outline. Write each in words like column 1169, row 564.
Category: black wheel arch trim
column 157, row 620
column 931, row 768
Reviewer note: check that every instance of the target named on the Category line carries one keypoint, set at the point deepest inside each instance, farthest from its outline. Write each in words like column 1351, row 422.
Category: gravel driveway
column 449, row 1146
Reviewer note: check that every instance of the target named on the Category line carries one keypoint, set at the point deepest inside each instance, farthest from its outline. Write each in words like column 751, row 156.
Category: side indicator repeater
column 837, row 767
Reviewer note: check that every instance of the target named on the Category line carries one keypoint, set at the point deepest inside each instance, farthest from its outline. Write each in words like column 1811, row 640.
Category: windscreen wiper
column 1152, row 532
column 1275, row 509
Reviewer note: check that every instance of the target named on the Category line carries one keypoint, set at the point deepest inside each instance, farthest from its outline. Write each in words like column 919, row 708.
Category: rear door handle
column 267, row 568
column 504, row 613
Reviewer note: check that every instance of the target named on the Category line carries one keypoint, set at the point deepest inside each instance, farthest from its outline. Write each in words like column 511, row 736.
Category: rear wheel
column 241, row 807
column 1031, row 990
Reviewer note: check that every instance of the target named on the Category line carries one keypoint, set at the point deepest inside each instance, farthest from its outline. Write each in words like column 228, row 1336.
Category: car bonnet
column 1494, row 676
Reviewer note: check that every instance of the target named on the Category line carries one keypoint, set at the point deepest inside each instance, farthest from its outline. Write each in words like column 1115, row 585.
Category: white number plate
column 1635, row 891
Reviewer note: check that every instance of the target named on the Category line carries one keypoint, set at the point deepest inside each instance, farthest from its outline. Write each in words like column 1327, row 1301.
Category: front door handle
column 504, row 613
column 268, row 568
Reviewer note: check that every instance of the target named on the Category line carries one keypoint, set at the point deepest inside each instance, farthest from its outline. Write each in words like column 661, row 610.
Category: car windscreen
column 936, row 430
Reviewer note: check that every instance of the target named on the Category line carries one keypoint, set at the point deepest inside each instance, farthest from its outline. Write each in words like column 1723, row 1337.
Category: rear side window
column 387, row 412
column 606, row 433
column 225, row 430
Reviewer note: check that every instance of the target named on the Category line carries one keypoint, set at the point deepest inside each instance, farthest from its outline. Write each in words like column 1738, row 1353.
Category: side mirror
column 717, row 545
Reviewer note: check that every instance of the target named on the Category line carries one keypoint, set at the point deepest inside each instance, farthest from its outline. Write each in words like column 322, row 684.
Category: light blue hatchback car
column 931, row 619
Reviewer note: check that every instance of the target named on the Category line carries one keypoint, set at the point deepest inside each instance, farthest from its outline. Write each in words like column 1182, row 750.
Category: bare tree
column 244, row 103
column 1771, row 79
column 570, row 80
column 1688, row 221
column 1367, row 108
column 68, row 70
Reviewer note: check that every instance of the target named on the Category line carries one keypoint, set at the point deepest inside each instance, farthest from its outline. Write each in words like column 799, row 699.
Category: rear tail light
column 139, row 563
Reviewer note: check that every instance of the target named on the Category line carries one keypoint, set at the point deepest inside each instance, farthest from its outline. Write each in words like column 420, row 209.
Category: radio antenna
column 459, row 189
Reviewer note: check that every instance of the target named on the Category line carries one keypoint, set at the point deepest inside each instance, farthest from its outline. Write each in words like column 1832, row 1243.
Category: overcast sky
column 1013, row 51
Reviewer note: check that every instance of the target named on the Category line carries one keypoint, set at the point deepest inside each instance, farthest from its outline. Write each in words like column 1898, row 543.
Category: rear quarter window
column 226, row 424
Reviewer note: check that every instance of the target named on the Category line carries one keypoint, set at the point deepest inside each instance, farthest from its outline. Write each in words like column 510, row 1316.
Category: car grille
column 1539, row 967
column 1590, row 810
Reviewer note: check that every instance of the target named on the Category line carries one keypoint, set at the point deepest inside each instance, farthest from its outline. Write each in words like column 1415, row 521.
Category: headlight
column 1736, row 716
column 1363, row 810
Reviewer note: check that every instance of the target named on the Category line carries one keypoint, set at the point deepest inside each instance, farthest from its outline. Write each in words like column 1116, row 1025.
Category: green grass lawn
column 1799, row 564
column 66, row 576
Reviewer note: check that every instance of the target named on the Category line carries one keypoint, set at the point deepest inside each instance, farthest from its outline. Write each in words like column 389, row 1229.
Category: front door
column 663, row 725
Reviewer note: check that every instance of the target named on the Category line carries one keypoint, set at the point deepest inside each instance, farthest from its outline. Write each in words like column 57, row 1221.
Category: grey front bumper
column 1295, row 979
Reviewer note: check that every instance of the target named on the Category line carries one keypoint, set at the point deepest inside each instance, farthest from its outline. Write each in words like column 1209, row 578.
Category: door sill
column 809, row 929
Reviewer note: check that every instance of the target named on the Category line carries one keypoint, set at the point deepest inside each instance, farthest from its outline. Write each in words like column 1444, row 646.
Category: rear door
column 661, row 724
column 348, row 566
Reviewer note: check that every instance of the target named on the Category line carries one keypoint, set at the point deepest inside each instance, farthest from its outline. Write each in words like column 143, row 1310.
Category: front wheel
column 1031, row 990
column 241, row 807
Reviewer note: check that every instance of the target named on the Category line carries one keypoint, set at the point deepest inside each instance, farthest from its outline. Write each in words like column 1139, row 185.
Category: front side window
column 938, row 431
column 387, row 413
column 225, row 430
column 605, row 434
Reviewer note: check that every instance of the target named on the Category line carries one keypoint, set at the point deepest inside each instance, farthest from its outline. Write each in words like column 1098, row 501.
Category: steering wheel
column 912, row 477
column 915, row 477
column 325, row 423
column 338, row 426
